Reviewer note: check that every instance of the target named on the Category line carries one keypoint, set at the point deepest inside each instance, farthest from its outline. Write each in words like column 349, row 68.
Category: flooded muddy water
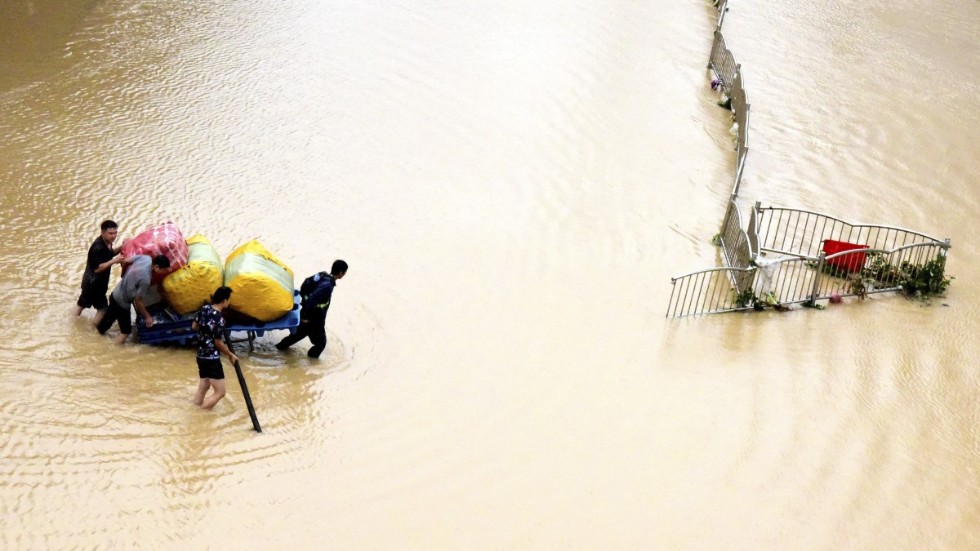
column 513, row 185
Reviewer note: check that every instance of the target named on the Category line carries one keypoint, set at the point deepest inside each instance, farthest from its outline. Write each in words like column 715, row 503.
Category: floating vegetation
column 924, row 281
column 914, row 280
column 744, row 299
column 725, row 101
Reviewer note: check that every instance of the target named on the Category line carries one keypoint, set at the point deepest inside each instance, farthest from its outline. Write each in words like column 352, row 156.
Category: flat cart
column 173, row 328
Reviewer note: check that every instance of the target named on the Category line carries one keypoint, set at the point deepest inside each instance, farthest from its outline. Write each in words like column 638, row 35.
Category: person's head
column 161, row 263
column 221, row 296
column 338, row 269
column 109, row 230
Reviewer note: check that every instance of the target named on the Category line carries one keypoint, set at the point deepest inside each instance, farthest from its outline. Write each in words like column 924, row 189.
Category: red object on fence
column 849, row 262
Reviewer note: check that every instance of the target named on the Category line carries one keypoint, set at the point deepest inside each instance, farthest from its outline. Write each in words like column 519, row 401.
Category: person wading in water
column 210, row 327
column 316, row 292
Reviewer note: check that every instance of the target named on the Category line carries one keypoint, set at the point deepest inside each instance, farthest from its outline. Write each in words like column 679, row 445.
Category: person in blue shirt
column 316, row 293
column 210, row 327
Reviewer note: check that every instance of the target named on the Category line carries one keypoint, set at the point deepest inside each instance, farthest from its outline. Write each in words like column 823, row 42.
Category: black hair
column 339, row 267
column 108, row 225
column 220, row 295
column 161, row 261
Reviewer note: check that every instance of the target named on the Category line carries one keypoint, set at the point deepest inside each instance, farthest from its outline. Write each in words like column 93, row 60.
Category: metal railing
column 809, row 265
column 708, row 291
column 801, row 279
column 722, row 6
column 722, row 62
column 735, row 243
column 857, row 272
column 740, row 107
column 865, row 271
column 796, row 231
column 729, row 74
column 786, row 280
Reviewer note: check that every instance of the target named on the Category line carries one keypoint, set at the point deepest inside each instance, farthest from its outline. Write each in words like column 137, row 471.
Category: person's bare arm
column 108, row 263
column 141, row 308
column 220, row 345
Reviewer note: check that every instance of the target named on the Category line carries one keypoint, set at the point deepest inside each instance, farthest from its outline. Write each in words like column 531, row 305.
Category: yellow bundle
column 262, row 286
column 191, row 287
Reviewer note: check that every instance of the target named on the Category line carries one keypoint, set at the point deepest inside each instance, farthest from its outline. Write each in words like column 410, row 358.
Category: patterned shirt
column 210, row 326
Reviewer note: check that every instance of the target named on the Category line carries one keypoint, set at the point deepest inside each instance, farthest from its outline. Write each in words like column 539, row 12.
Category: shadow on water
column 34, row 35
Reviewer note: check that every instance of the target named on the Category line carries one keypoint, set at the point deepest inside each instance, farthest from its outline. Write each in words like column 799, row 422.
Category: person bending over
column 210, row 327
column 130, row 292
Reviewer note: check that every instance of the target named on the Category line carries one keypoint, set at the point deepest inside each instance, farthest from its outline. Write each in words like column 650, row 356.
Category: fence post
column 945, row 251
column 724, row 222
column 746, row 281
column 753, row 232
column 714, row 45
column 821, row 261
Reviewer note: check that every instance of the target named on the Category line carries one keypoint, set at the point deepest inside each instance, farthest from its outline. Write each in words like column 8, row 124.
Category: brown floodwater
column 513, row 185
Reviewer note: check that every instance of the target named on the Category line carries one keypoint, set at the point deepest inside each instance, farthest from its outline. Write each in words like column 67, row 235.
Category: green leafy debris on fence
column 916, row 281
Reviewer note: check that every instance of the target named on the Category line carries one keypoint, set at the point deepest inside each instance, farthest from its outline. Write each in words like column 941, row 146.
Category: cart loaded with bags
column 263, row 297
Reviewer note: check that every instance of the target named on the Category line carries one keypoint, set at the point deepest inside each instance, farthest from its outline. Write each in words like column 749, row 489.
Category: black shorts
column 210, row 368
column 93, row 297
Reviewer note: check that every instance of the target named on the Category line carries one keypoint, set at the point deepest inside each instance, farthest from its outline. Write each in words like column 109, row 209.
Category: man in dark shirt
column 95, row 281
column 316, row 292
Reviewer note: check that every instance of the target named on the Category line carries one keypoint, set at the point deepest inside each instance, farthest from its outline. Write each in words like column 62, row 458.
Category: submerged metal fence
column 708, row 291
column 786, row 280
column 793, row 256
column 722, row 62
column 803, row 279
column 729, row 74
column 865, row 271
column 722, row 6
column 796, row 231
column 740, row 107
column 735, row 243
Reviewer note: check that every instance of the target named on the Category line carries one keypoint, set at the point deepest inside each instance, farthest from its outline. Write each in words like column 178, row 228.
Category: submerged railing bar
column 856, row 224
column 722, row 8
column 788, row 253
column 701, row 289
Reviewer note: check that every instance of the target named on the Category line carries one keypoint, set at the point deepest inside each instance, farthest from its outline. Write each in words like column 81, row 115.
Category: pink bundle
column 164, row 239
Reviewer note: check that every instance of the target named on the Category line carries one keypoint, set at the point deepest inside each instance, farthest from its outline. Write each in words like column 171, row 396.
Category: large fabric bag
column 191, row 287
column 164, row 239
column 261, row 284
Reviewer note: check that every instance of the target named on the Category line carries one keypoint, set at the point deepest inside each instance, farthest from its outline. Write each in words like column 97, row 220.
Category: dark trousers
column 315, row 328
column 115, row 312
